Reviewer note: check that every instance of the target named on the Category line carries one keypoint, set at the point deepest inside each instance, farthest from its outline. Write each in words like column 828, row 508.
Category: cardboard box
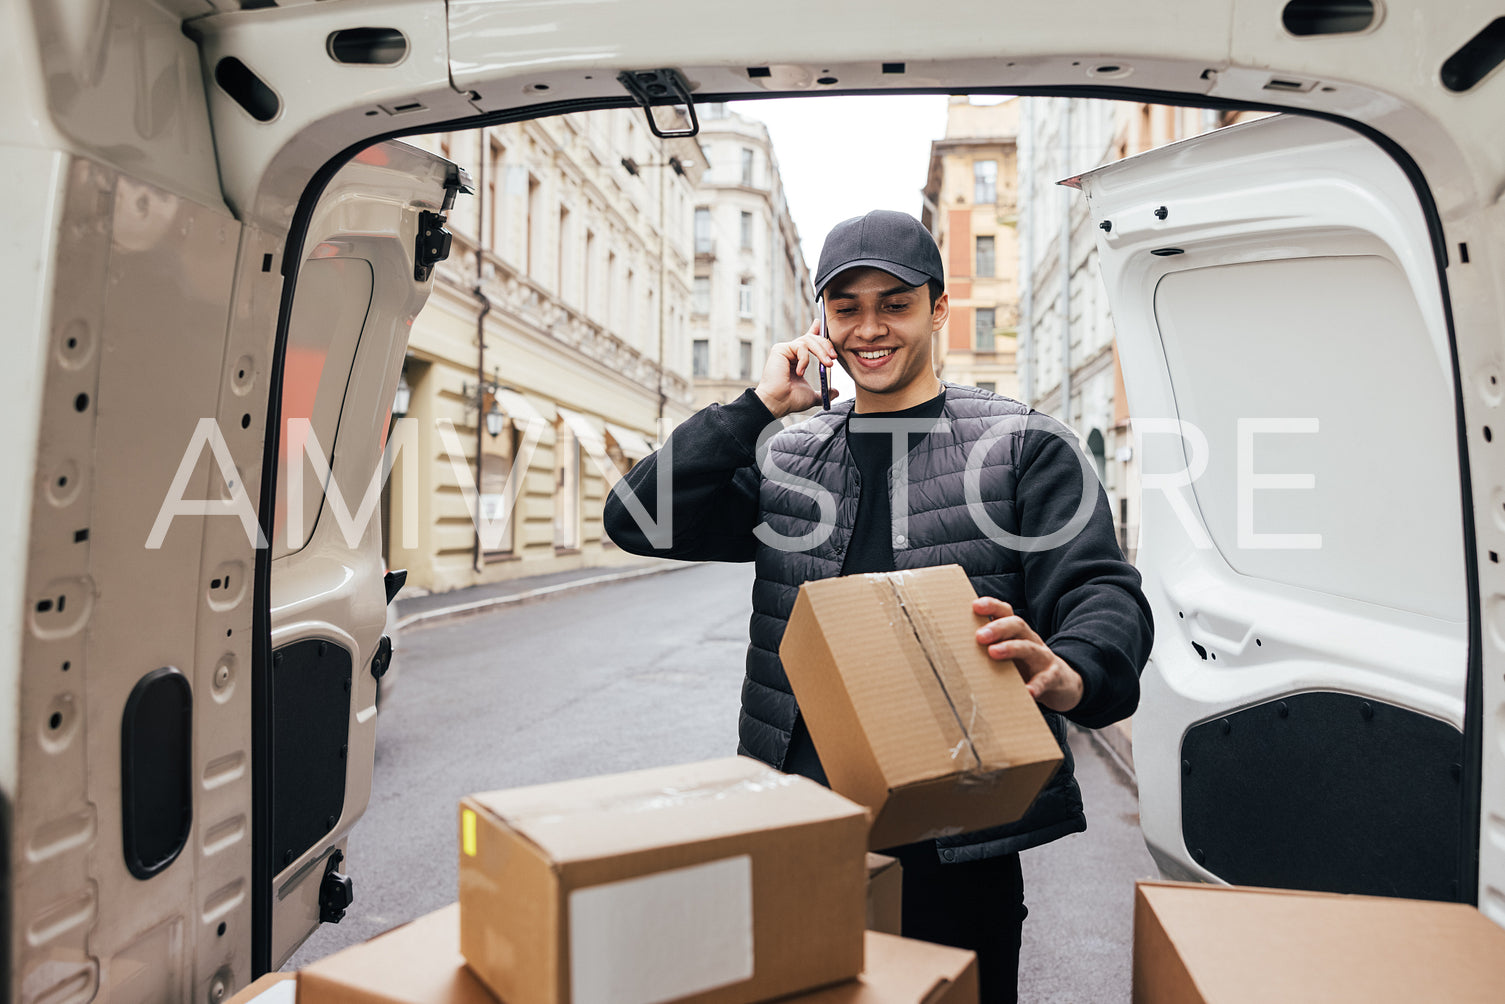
column 417, row 963
column 273, row 988
column 885, row 893
column 910, row 716
column 1200, row 944
column 420, row 963
column 723, row 881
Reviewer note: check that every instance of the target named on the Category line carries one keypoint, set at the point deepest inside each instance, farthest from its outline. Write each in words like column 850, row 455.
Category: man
column 1038, row 546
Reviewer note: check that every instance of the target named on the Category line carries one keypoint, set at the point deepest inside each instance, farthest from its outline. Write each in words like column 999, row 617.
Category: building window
column 745, row 298
column 702, row 361
column 984, row 181
column 496, row 500
column 494, row 190
column 562, row 259
column 535, row 220
column 988, row 385
column 587, row 299
column 985, row 329
column 566, row 487
column 984, row 268
column 702, row 294
column 702, row 230
column 747, row 221
column 747, row 167
column 745, row 360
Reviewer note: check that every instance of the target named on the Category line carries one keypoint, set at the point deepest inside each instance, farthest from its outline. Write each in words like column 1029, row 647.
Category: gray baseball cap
column 884, row 239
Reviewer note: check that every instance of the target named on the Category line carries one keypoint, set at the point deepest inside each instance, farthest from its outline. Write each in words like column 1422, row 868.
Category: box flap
column 616, row 815
column 1257, row 945
column 417, row 963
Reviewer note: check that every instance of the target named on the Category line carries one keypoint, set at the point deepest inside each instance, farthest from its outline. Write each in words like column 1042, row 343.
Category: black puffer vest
column 938, row 531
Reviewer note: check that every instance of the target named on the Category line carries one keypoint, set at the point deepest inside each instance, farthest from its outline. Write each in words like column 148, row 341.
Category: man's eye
column 846, row 310
column 897, row 307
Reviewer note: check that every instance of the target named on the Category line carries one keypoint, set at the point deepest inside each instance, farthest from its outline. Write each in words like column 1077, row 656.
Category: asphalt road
column 641, row 674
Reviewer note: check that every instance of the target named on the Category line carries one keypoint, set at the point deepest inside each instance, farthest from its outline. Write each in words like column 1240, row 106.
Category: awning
column 588, row 429
column 633, row 444
column 522, row 409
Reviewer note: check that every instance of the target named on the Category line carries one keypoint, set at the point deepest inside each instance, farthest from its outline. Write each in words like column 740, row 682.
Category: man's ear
column 940, row 312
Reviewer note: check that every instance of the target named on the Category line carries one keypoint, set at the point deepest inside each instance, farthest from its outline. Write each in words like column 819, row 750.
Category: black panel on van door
column 1329, row 792
column 310, row 741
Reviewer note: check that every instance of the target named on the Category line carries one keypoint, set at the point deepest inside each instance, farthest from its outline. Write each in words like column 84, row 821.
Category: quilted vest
column 938, row 530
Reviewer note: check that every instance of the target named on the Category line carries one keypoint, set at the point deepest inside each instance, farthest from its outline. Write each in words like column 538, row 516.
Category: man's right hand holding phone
column 783, row 388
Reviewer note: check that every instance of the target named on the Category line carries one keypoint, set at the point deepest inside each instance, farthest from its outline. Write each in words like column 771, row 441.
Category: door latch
column 336, row 891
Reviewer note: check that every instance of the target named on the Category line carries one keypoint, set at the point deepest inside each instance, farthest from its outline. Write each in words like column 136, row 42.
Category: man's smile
column 873, row 356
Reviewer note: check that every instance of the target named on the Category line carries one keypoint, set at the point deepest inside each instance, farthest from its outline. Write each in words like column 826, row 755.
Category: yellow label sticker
column 468, row 832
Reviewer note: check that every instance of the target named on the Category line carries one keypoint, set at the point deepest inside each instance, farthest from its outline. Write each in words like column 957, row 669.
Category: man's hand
column 783, row 388
column 1046, row 676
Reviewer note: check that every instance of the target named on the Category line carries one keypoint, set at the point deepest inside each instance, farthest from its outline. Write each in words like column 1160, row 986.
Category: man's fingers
column 1032, row 657
column 991, row 606
column 804, row 358
column 1005, row 628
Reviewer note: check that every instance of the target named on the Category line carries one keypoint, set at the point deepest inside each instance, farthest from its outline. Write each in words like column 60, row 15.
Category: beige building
column 971, row 207
column 1068, row 354
column 553, row 353
column 751, row 285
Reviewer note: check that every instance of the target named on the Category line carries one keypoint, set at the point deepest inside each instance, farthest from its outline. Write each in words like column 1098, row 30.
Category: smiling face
column 882, row 330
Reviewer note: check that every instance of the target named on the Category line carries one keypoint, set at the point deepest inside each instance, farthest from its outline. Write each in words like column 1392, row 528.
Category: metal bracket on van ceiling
column 655, row 88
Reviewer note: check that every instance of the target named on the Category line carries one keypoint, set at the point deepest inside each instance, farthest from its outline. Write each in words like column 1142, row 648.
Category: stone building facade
column 553, row 353
column 751, row 286
column 971, row 207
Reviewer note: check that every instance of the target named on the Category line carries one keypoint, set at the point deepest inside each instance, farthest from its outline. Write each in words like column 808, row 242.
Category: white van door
column 1287, row 356
column 366, row 269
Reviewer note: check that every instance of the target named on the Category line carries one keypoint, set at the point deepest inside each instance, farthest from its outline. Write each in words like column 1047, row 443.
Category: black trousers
column 975, row 904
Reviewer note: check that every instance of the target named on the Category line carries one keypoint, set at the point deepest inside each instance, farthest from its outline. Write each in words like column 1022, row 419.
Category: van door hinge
column 655, row 88
column 433, row 240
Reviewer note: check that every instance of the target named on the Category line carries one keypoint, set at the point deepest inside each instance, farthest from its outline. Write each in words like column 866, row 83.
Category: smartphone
column 825, row 387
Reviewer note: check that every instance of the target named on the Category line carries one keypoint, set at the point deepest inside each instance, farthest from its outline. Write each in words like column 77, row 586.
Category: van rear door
column 366, row 270
column 1286, row 352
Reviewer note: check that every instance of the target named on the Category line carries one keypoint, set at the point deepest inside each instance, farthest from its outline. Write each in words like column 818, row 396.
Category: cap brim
column 905, row 274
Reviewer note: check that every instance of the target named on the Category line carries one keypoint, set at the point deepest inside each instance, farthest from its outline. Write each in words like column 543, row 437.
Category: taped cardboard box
column 885, row 893
column 420, row 963
column 1200, row 944
column 910, row 716
column 723, row 881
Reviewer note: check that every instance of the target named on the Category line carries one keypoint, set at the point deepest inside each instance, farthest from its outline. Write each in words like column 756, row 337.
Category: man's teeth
column 875, row 354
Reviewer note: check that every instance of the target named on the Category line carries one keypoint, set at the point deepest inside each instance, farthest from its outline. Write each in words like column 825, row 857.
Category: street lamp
column 493, row 417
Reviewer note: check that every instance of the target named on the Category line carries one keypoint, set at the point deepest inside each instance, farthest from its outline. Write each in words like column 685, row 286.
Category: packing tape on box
column 942, row 665
column 664, row 797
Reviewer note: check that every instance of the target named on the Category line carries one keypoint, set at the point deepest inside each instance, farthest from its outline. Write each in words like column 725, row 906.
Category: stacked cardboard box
column 910, row 716
column 721, row 881
column 420, row 963
column 1199, row 944
column 727, row 882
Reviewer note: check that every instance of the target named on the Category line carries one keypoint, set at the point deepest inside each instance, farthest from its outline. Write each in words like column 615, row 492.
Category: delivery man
column 882, row 483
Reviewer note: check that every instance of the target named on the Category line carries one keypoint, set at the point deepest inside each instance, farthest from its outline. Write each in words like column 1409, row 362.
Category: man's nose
column 869, row 324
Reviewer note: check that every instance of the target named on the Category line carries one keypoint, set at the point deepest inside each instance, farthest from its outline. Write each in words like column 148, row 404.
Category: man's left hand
column 1046, row 676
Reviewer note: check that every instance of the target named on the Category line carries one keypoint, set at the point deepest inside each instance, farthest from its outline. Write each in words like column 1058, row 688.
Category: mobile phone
column 825, row 387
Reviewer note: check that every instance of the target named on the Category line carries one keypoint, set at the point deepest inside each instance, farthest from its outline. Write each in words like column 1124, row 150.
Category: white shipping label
column 663, row 936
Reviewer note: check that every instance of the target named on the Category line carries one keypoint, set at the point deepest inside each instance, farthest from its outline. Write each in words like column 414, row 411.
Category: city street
column 639, row 674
